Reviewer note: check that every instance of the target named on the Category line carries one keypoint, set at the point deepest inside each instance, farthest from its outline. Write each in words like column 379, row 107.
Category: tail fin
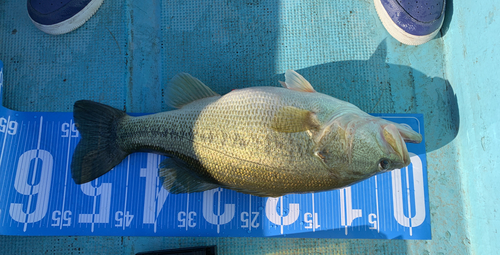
column 98, row 151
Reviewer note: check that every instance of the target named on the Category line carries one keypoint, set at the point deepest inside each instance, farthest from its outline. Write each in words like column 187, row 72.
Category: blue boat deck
column 127, row 52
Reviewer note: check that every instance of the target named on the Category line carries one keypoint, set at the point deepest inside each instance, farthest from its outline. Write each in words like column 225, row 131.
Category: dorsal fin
column 295, row 81
column 184, row 89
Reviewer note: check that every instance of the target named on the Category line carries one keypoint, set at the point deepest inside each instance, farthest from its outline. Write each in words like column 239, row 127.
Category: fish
column 262, row 141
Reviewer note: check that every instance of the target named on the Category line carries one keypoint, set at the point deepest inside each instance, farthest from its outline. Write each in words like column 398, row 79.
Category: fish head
column 357, row 147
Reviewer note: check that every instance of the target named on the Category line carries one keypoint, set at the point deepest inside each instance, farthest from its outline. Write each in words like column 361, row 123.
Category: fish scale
column 209, row 128
column 265, row 141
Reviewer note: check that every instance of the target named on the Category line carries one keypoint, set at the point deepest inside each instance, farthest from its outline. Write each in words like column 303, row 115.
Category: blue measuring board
column 38, row 196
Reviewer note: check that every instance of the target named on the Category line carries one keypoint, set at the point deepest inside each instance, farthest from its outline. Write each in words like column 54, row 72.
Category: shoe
column 57, row 17
column 411, row 22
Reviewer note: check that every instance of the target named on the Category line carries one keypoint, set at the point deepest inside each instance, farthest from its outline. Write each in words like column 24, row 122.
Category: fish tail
column 98, row 150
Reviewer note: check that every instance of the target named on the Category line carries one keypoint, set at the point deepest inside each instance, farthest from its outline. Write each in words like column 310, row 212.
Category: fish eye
column 383, row 164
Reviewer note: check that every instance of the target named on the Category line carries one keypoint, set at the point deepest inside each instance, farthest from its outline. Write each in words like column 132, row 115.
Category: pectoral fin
column 179, row 178
column 291, row 119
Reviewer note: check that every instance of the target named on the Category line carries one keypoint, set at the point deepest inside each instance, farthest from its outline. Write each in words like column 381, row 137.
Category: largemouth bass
column 264, row 141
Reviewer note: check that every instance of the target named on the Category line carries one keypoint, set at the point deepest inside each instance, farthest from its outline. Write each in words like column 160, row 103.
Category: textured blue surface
column 473, row 56
column 340, row 44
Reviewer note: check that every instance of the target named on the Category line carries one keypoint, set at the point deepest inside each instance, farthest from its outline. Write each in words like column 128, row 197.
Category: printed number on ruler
column 209, row 206
column 347, row 213
column 123, row 218
column 372, row 219
column 312, row 222
column 32, row 159
column 250, row 221
column 186, row 219
column 69, row 130
column 279, row 219
column 102, row 191
column 8, row 126
column 418, row 193
column 154, row 194
column 63, row 218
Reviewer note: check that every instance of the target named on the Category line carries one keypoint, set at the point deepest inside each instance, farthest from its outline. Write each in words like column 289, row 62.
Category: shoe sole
column 397, row 32
column 72, row 23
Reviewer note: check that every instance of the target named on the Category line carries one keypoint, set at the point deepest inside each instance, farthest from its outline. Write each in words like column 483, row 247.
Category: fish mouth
column 394, row 139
